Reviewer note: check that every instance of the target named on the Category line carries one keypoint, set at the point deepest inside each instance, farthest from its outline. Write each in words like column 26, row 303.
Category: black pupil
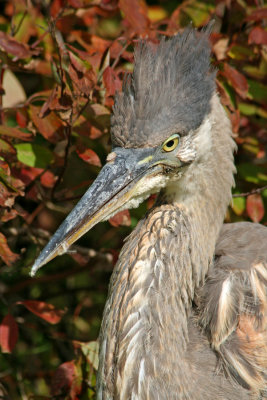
column 170, row 143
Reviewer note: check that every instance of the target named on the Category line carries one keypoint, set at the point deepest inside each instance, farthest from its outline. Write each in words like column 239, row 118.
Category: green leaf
column 14, row 132
column 257, row 91
column 252, row 145
column 229, row 92
column 55, row 73
column 251, row 109
column 90, row 350
column 239, row 205
column 199, row 11
column 98, row 115
column 252, row 173
column 24, row 23
column 255, row 72
column 238, row 52
column 34, row 155
column 264, row 194
column 262, row 176
column 41, row 26
column 6, row 147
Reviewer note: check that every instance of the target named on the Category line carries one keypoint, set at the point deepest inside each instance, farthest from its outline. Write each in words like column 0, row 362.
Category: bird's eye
column 171, row 143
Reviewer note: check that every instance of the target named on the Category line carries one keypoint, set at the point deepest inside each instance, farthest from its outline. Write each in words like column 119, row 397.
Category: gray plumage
column 184, row 319
column 168, row 92
column 186, row 315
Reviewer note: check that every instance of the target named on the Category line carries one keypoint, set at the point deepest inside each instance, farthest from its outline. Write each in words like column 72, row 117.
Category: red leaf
column 63, row 377
column 257, row 36
column 66, row 381
column 13, row 187
column 6, row 148
column 76, row 3
column 82, row 74
column 121, row 218
column 21, row 118
column 28, row 174
column 111, row 81
column 117, row 51
column 12, row 46
column 108, row 79
column 95, row 133
column 32, row 193
column 6, row 199
column 109, row 102
column 77, row 63
column 5, row 167
column 109, row 4
column 56, row 7
column 135, row 12
column 258, row 15
column 85, row 128
column 88, row 156
column 83, row 55
column 46, row 311
column 235, row 120
column 48, row 179
column 237, row 80
column 8, row 215
column 255, row 207
column 9, row 189
column 56, row 101
column 99, row 44
column 14, row 132
column 84, row 82
column 8, row 334
column 5, row 253
column 38, row 66
column 50, row 127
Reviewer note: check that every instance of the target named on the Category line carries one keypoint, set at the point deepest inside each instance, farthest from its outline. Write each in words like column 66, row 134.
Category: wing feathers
column 233, row 304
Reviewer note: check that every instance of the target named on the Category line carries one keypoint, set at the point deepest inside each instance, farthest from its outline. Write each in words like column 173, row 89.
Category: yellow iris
column 171, row 143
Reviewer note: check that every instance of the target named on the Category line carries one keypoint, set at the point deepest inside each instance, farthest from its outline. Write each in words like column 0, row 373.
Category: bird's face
column 157, row 130
column 129, row 177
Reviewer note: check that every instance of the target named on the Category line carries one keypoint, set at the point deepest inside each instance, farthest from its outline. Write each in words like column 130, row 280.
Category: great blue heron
column 186, row 315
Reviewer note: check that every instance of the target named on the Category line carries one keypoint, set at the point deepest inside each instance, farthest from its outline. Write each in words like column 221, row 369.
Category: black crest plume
column 170, row 91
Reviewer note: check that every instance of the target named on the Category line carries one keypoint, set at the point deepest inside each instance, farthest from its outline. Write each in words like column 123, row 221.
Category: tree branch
column 254, row 191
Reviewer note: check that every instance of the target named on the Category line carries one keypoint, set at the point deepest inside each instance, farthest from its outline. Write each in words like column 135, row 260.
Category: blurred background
column 61, row 62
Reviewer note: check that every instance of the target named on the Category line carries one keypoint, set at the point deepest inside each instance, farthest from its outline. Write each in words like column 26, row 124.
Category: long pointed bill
column 115, row 186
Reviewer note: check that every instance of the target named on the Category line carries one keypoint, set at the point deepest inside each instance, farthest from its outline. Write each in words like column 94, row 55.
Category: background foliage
column 61, row 62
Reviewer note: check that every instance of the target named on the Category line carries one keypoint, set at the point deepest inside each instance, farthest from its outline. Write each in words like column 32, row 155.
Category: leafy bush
column 61, row 63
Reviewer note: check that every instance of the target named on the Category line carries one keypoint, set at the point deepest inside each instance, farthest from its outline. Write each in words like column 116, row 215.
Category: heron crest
column 169, row 91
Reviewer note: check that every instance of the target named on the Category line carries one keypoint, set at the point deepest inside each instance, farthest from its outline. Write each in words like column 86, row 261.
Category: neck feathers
column 165, row 258
column 204, row 191
column 150, row 288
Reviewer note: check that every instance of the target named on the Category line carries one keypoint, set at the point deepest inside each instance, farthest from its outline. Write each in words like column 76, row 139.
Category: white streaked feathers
column 202, row 138
column 142, row 375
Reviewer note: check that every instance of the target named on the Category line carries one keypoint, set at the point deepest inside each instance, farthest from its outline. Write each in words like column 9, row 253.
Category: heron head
column 155, row 129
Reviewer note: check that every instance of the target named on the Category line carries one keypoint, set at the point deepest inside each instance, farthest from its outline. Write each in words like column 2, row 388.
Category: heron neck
column 145, row 326
column 203, row 193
